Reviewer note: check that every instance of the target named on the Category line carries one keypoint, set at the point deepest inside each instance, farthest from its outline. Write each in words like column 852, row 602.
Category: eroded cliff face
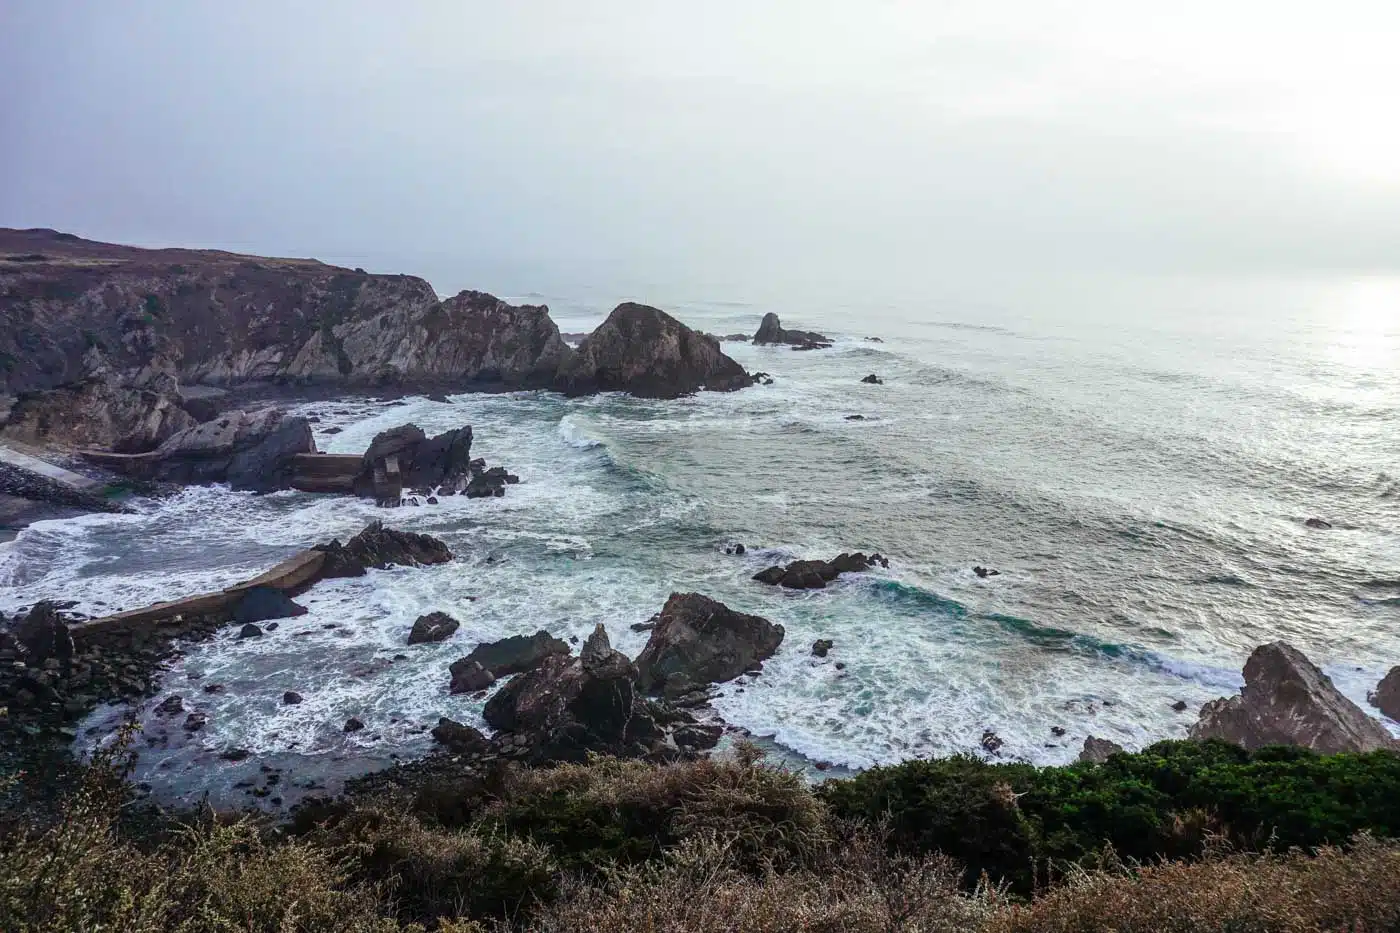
column 225, row 319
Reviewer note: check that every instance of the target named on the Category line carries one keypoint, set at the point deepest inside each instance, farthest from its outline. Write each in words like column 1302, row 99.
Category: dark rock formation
column 821, row 647
column 512, row 655
column 262, row 603
column 353, row 725
column 380, row 547
column 816, row 574
column 985, row 572
column 873, row 380
column 1286, row 700
column 770, row 331
column 699, row 641
column 1179, row 706
column 435, row 626
column 1097, row 751
column 645, row 351
column 1386, row 696
column 249, row 630
column 568, row 707
column 224, row 319
column 42, row 636
column 991, row 742
column 291, row 698
column 1321, row 524
column 171, row 705
column 460, row 739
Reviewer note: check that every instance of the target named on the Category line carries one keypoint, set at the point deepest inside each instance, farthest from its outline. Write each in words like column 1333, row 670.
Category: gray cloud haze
column 724, row 145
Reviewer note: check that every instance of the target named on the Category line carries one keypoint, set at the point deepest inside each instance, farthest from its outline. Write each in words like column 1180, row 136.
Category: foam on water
column 1138, row 566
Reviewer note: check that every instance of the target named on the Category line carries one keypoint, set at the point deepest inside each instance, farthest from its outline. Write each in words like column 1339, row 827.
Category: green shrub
column 1163, row 802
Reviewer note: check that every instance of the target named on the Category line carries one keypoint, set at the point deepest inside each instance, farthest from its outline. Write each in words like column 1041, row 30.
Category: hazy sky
column 726, row 145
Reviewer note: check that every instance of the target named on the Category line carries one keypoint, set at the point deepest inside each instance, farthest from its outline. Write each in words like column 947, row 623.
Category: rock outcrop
column 433, row 627
column 645, row 351
column 1286, row 700
column 1386, row 696
column 568, row 707
column 771, row 331
column 1097, row 751
column 816, row 574
column 460, row 739
column 226, row 319
column 379, row 547
column 698, row 641
column 514, row 655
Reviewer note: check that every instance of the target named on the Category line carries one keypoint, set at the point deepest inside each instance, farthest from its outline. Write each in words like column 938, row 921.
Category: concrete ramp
column 18, row 457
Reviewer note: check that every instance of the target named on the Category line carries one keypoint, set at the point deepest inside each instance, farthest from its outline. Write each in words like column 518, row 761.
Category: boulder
column 460, row 739
column 171, row 705
column 435, row 626
column 1287, row 700
column 770, row 331
column 646, row 352
column 816, row 574
column 249, row 630
column 508, row 656
column 379, row 547
column 406, row 458
column 353, row 725
column 568, row 707
column 821, row 647
column 262, row 603
column 1097, row 751
column 291, row 698
column 1386, row 696
column 469, row 677
column 873, row 380
column 699, row 641
column 250, row 450
column 1320, row 524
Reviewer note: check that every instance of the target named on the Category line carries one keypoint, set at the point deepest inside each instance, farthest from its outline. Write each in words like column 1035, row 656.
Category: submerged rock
column 816, row 574
column 873, row 380
column 699, row 641
column 646, row 352
column 1287, row 700
column 433, row 627
column 770, row 331
column 1321, row 524
column 1386, row 696
column 262, row 603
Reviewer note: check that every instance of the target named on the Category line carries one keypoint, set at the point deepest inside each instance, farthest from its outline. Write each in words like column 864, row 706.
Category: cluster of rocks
column 405, row 459
column 771, row 332
column 54, row 670
column 561, row 707
column 816, row 574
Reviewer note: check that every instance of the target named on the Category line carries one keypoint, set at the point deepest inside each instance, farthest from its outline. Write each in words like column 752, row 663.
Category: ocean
column 1138, row 467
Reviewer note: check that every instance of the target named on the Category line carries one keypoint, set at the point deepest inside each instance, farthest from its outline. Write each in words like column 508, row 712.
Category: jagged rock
column 263, row 603
column 645, row 351
column 991, row 742
column 1179, row 706
column 873, row 380
column 1386, row 696
column 127, row 412
column 1097, row 751
column 1286, row 700
column 770, row 331
column 291, row 698
column 171, row 705
column 380, row 547
column 821, row 646
column 568, row 707
column 42, row 636
column 435, row 626
column 699, row 641
column 511, row 655
column 816, row 574
column 353, row 725
column 460, row 739
column 984, row 572
column 698, row 736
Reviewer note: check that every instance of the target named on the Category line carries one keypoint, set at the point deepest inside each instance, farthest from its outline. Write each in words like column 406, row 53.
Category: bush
column 1016, row 822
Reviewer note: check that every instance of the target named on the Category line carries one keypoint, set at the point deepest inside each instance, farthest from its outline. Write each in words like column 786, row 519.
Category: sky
column 728, row 147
